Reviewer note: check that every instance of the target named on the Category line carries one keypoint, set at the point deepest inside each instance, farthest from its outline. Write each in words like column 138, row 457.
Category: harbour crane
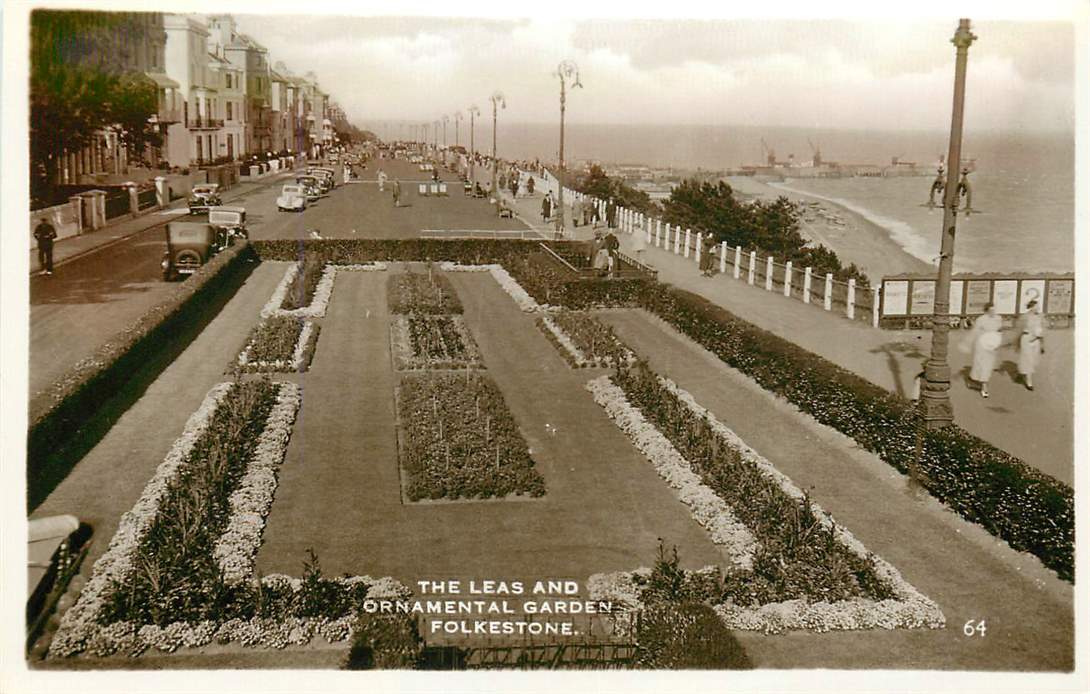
column 770, row 154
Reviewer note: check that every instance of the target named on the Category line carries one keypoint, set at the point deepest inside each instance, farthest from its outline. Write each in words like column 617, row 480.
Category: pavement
column 1037, row 426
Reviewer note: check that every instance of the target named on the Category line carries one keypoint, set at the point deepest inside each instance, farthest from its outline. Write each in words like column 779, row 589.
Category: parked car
column 292, row 197
column 189, row 245
column 230, row 221
column 312, row 186
column 204, row 196
column 329, row 182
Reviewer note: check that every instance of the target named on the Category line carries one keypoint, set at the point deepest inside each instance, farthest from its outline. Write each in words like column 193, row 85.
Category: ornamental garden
column 484, row 418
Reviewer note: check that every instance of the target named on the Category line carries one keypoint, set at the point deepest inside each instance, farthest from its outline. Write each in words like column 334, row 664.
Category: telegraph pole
column 934, row 405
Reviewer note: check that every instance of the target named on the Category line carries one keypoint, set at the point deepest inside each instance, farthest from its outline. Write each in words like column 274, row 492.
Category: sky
column 834, row 73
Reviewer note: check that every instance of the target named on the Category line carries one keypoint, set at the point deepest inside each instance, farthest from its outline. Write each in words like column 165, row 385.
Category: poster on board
column 1006, row 296
column 1060, row 293
column 1030, row 289
column 895, row 298
column 923, row 298
column 978, row 294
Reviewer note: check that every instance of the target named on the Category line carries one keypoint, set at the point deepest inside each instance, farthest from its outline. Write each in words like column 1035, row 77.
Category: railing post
column 699, row 240
column 851, row 298
column 768, row 274
column 828, row 291
column 737, row 262
column 162, row 192
column 134, row 199
column 807, row 278
column 646, row 228
column 688, row 235
column 876, row 302
column 658, row 233
column 787, row 279
column 752, row 266
column 722, row 257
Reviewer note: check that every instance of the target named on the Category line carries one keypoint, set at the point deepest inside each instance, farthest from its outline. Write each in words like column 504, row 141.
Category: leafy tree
column 597, row 184
column 77, row 87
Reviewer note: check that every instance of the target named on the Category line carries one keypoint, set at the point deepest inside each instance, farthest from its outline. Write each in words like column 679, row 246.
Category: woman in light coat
column 985, row 341
column 1031, row 344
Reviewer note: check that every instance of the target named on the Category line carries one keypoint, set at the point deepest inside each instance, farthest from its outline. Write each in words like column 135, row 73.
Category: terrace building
column 198, row 138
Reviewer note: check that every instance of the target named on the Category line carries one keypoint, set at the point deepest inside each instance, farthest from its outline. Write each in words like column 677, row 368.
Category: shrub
column 686, row 636
column 385, row 642
column 302, row 287
column 427, row 292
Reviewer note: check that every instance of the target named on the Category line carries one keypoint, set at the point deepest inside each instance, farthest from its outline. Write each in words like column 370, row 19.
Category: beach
column 851, row 236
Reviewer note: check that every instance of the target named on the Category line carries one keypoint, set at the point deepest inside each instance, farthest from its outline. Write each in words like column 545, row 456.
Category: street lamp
column 446, row 118
column 435, row 136
column 934, row 405
column 457, row 120
column 498, row 101
column 567, row 70
column 473, row 111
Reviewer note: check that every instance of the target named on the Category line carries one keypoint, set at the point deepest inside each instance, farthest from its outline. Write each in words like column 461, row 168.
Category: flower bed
column 582, row 339
column 428, row 292
column 302, row 289
column 806, row 572
column 317, row 303
column 459, row 440
column 279, row 344
column 432, row 342
column 158, row 586
column 1032, row 511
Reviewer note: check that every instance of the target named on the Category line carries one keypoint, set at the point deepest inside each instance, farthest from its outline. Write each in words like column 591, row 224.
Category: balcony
column 204, row 123
column 168, row 115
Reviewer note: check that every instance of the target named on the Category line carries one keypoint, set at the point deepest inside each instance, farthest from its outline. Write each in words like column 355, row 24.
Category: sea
column 1023, row 186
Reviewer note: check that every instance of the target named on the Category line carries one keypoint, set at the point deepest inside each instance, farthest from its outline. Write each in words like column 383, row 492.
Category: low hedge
column 1030, row 510
column 61, row 418
column 686, row 636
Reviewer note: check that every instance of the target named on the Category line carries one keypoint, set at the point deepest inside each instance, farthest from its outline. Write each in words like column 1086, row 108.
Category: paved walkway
column 123, row 227
column 1035, row 426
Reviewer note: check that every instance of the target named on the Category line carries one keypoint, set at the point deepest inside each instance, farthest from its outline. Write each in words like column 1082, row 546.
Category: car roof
column 227, row 208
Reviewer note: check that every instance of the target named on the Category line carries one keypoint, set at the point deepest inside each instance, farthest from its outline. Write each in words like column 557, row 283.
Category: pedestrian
column 530, row 186
column 577, row 212
column 639, row 244
column 983, row 342
column 1030, row 342
column 514, row 187
column 397, row 193
column 611, row 214
column 381, row 180
column 547, row 207
column 707, row 261
column 595, row 213
column 613, row 247
column 44, row 233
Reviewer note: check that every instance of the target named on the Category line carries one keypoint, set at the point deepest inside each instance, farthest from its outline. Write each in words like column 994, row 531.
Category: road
column 93, row 297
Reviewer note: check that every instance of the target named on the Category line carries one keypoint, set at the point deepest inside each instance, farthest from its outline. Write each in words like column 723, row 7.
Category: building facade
column 198, row 139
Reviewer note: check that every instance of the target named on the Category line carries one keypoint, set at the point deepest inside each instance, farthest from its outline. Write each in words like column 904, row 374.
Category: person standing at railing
column 1031, row 344
column 707, row 257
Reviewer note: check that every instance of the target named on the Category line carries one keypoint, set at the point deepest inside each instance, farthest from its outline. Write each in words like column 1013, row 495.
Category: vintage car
column 230, row 221
column 312, row 186
column 326, row 176
column 203, row 196
column 292, row 197
column 189, row 245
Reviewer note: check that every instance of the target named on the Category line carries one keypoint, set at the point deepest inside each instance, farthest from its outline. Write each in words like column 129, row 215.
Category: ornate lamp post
column 446, row 118
column 567, row 70
column 473, row 111
column 498, row 101
column 457, row 120
column 934, row 405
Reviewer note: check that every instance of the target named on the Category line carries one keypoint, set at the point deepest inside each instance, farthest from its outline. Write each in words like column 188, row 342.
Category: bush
column 302, row 287
column 422, row 292
column 686, row 636
column 385, row 642
column 1030, row 510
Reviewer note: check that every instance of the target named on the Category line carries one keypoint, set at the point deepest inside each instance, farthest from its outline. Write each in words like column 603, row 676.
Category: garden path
column 339, row 494
column 970, row 574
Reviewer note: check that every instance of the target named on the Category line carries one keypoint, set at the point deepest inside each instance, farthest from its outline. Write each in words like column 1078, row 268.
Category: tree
column 598, row 184
column 77, row 88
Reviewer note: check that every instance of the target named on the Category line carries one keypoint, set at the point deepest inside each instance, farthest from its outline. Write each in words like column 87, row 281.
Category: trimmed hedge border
column 1027, row 508
column 57, row 413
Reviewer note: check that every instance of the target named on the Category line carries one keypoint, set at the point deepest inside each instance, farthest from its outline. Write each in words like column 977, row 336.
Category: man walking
column 397, row 193
column 381, row 180
column 44, row 233
column 547, row 207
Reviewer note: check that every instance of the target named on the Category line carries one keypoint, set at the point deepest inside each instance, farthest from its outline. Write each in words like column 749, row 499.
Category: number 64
column 974, row 628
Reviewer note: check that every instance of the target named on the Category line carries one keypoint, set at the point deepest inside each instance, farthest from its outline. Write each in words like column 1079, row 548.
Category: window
column 230, row 111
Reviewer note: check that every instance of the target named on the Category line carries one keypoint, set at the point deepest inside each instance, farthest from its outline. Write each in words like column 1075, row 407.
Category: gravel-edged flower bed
column 506, row 281
column 582, row 339
column 426, row 292
column 460, row 441
column 285, row 299
column 303, row 286
column 157, row 586
column 432, row 342
column 807, row 572
column 279, row 344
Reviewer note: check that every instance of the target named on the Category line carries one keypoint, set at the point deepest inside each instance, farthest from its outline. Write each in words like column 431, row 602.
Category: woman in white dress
column 1031, row 344
column 985, row 345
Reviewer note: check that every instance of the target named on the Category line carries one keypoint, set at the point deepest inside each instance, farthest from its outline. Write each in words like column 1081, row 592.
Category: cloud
column 828, row 73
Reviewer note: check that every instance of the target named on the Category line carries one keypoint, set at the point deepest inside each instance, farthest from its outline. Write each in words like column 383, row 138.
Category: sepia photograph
column 661, row 348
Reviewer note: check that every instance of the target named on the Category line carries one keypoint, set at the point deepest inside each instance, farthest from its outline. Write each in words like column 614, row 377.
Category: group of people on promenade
column 985, row 340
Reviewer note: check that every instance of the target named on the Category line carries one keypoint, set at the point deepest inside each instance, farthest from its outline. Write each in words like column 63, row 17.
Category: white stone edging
column 707, row 508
